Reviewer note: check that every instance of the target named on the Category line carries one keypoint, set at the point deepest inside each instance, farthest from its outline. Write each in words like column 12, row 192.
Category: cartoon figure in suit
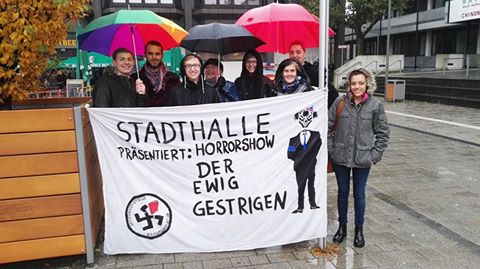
column 303, row 150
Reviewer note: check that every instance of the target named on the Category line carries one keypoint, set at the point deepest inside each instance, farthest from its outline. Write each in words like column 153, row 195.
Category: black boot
column 359, row 241
column 341, row 233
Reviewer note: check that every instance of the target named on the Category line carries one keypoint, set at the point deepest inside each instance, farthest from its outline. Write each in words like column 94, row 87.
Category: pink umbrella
column 279, row 25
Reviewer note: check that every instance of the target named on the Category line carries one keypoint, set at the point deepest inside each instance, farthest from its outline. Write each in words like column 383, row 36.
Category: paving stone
column 303, row 255
column 143, row 259
column 186, row 257
column 282, row 265
column 217, row 263
column 156, row 266
column 431, row 254
column 106, row 262
column 260, row 259
column 240, row 261
column 312, row 264
column 353, row 261
column 387, row 247
column 395, row 257
column 173, row 266
column 233, row 254
column 441, row 264
column 281, row 257
column 193, row 265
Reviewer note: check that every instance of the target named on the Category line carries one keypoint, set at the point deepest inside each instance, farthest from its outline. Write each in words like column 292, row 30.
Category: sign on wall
column 464, row 10
column 216, row 177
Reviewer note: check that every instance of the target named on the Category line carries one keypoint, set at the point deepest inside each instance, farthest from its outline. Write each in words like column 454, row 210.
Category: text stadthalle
column 167, row 132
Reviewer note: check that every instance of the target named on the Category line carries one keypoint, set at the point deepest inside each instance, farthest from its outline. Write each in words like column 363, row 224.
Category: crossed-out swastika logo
column 148, row 216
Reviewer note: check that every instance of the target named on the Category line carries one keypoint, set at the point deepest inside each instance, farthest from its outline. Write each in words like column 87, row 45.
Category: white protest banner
column 216, row 177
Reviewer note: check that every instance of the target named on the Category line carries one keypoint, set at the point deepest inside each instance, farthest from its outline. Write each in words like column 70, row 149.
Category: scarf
column 293, row 87
column 156, row 75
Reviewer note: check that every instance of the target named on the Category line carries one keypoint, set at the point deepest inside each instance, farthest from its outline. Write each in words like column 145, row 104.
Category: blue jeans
column 360, row 176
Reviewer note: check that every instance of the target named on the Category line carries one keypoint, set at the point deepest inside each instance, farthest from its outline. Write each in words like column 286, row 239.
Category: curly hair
column 371, row 82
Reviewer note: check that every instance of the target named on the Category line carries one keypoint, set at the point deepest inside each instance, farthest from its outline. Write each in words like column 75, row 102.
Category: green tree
column 362, row 15
column 338, row 25
column 29, row 32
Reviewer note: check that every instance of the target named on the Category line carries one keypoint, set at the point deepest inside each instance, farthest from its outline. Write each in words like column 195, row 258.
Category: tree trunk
column 359, row 40
column 339, row 40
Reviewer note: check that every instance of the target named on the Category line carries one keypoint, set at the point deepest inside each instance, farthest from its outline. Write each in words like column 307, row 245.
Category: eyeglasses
column 192, row 66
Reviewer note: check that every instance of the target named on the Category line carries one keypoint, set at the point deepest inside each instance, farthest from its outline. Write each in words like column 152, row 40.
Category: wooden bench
column 51, row 198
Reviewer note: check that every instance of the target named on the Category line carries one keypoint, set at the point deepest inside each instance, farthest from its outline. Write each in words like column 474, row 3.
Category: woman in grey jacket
column 355, row 142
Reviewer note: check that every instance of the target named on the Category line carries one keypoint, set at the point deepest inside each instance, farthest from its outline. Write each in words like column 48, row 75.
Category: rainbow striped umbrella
column 107, row 33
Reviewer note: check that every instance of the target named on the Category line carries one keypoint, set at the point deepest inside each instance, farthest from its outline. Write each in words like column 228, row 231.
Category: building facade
column 421, row 32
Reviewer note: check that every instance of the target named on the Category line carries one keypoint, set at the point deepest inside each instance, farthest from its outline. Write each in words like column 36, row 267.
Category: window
column 438, row 3
column 240, row 2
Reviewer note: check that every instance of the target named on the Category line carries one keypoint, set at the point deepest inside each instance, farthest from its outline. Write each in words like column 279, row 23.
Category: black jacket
column 312, row 73
column 332, row 94
column 112, row 90
column 192, row 94
column 256, row 85
column 158, row 98
column 247, row 86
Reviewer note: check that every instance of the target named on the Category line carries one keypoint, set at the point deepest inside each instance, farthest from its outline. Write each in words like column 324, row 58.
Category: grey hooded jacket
column 361, row 134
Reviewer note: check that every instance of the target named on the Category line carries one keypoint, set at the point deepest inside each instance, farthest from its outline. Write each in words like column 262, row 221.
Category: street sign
column 342, row 46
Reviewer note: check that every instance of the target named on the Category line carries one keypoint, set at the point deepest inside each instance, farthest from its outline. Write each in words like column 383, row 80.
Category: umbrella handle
column 134, row 51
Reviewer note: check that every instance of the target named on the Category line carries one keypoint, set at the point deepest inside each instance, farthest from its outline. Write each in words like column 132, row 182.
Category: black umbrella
column 220, row 38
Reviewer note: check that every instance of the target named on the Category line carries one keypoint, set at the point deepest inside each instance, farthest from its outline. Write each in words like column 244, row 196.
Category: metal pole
column 341, row 60
column 465, row 52
column 416, row 38
column 378, row 36
column 388, row 46
column 322, row 61
column 82, row 171
column 323, row 44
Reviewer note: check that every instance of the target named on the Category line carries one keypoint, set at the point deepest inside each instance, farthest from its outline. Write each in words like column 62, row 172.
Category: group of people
column 358, row 131
column 200, row 83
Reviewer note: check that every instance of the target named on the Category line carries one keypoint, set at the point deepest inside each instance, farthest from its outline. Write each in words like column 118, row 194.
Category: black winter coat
column 158, row 98
column 112, row 90
column 192, row 94
column 312, row 73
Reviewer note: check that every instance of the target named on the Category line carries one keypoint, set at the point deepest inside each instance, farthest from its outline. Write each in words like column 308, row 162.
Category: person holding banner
column 291, row 78
column 117, row 89
column 192, row 90
column 357, row 141
column 252, row 84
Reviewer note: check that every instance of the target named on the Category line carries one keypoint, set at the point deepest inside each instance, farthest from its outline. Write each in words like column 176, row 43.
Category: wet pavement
column 423, row 206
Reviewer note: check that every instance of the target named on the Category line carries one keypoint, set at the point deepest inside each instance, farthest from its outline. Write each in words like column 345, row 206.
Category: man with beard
column 154, row 74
